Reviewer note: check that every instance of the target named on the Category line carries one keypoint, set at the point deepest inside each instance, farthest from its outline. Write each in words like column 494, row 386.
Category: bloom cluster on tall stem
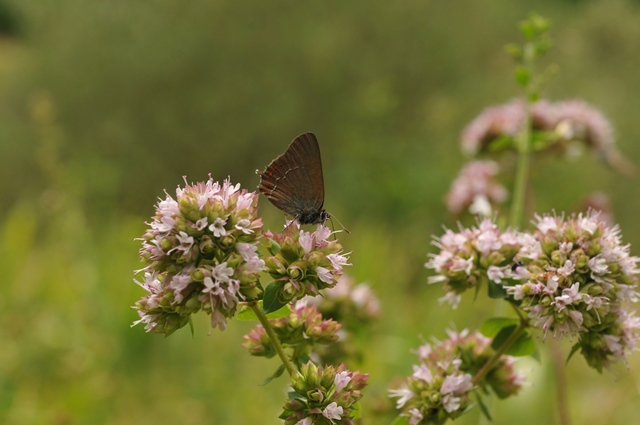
column 200, row 253
column 323, row 396
column 300, row 330
column 572, row 276
column 441, row 383
column 471, row 257
column 580, row 284
column 355, row 307
column 303, row 263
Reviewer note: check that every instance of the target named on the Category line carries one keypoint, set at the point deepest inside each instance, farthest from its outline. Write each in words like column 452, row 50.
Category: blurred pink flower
column 476, row 189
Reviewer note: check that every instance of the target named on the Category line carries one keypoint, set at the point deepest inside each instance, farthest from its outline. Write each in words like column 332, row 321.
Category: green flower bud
column 588, row 321
column 594, row 290
column 251, row 291
column 594, row 249
column 206, row 245
column 316, row 258
column 197, row 275
column 275, row 266
column 549, row 245
column 234, row 260
column 166, row 244
column 571, row 233
column 315, row 395
column 582, row 264
column 614, row 268
column 227, row 241
column 557, row 259
column 296, row 270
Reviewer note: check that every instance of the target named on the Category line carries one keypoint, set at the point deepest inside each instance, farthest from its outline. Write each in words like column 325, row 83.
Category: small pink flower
column 217, row 228
column 422, row 372
column 403, row 394
column 333, row 411
column 341, row 380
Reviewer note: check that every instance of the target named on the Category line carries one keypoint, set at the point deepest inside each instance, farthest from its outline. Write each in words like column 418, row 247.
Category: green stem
column 500, row 351
column 522, row 172
column 273, row 337
column 557, row 359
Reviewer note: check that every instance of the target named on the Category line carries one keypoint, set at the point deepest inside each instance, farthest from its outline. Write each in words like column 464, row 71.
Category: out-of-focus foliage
column 103, row 104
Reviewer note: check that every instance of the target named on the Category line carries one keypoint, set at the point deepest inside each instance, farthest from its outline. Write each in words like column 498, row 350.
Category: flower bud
column 206, row 245
column 614, row 268
column 557, row 259
column 235, row 260
column 275, row 266
column 594, row 249
column 227, row 241
column 166, row 244
column 296, row 270
column 582, row 264
column 571, row 233
column 595, row 290
column 198, row 275
column 315, row 259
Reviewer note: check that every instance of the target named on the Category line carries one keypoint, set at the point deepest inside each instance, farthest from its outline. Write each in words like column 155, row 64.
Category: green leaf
column 493, row 326
column 483, row 407
column 536, row 355
column 496, row 290
column 356, row 413
column 522, row 75
column 270, row 299
column 524, row 345
column 501, row 143
column 275, row 375
column 292, row 395
column 273, row 247
column 247, row 313
column 514, row 50
column 574, row 350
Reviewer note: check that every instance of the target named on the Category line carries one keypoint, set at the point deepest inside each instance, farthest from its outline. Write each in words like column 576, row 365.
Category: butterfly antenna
column 343, row 228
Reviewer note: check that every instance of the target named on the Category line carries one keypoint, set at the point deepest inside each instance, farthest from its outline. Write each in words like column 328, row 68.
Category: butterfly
column 293, row 181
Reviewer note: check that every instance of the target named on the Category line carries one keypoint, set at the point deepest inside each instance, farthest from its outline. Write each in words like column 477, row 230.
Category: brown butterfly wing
column 293, row 181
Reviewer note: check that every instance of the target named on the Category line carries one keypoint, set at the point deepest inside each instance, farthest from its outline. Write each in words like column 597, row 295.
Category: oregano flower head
column 200, row 253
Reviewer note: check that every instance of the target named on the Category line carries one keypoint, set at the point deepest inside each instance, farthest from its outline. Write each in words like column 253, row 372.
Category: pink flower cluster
column 441, row 383
column 323, row 396
column 303, row 263
column 355, row 307
column 301, row 330
column 350, row 304
column 558, row 123
column 580, row 285
column 572, row 276
column 471, row 257
column 200, row 253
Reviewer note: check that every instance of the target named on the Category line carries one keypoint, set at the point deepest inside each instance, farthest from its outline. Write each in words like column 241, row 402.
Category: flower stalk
column 522, row 171
column 524, row 324
column 273, row 337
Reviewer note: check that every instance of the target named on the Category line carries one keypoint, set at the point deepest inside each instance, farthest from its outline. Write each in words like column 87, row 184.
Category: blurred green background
column 103, row 105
